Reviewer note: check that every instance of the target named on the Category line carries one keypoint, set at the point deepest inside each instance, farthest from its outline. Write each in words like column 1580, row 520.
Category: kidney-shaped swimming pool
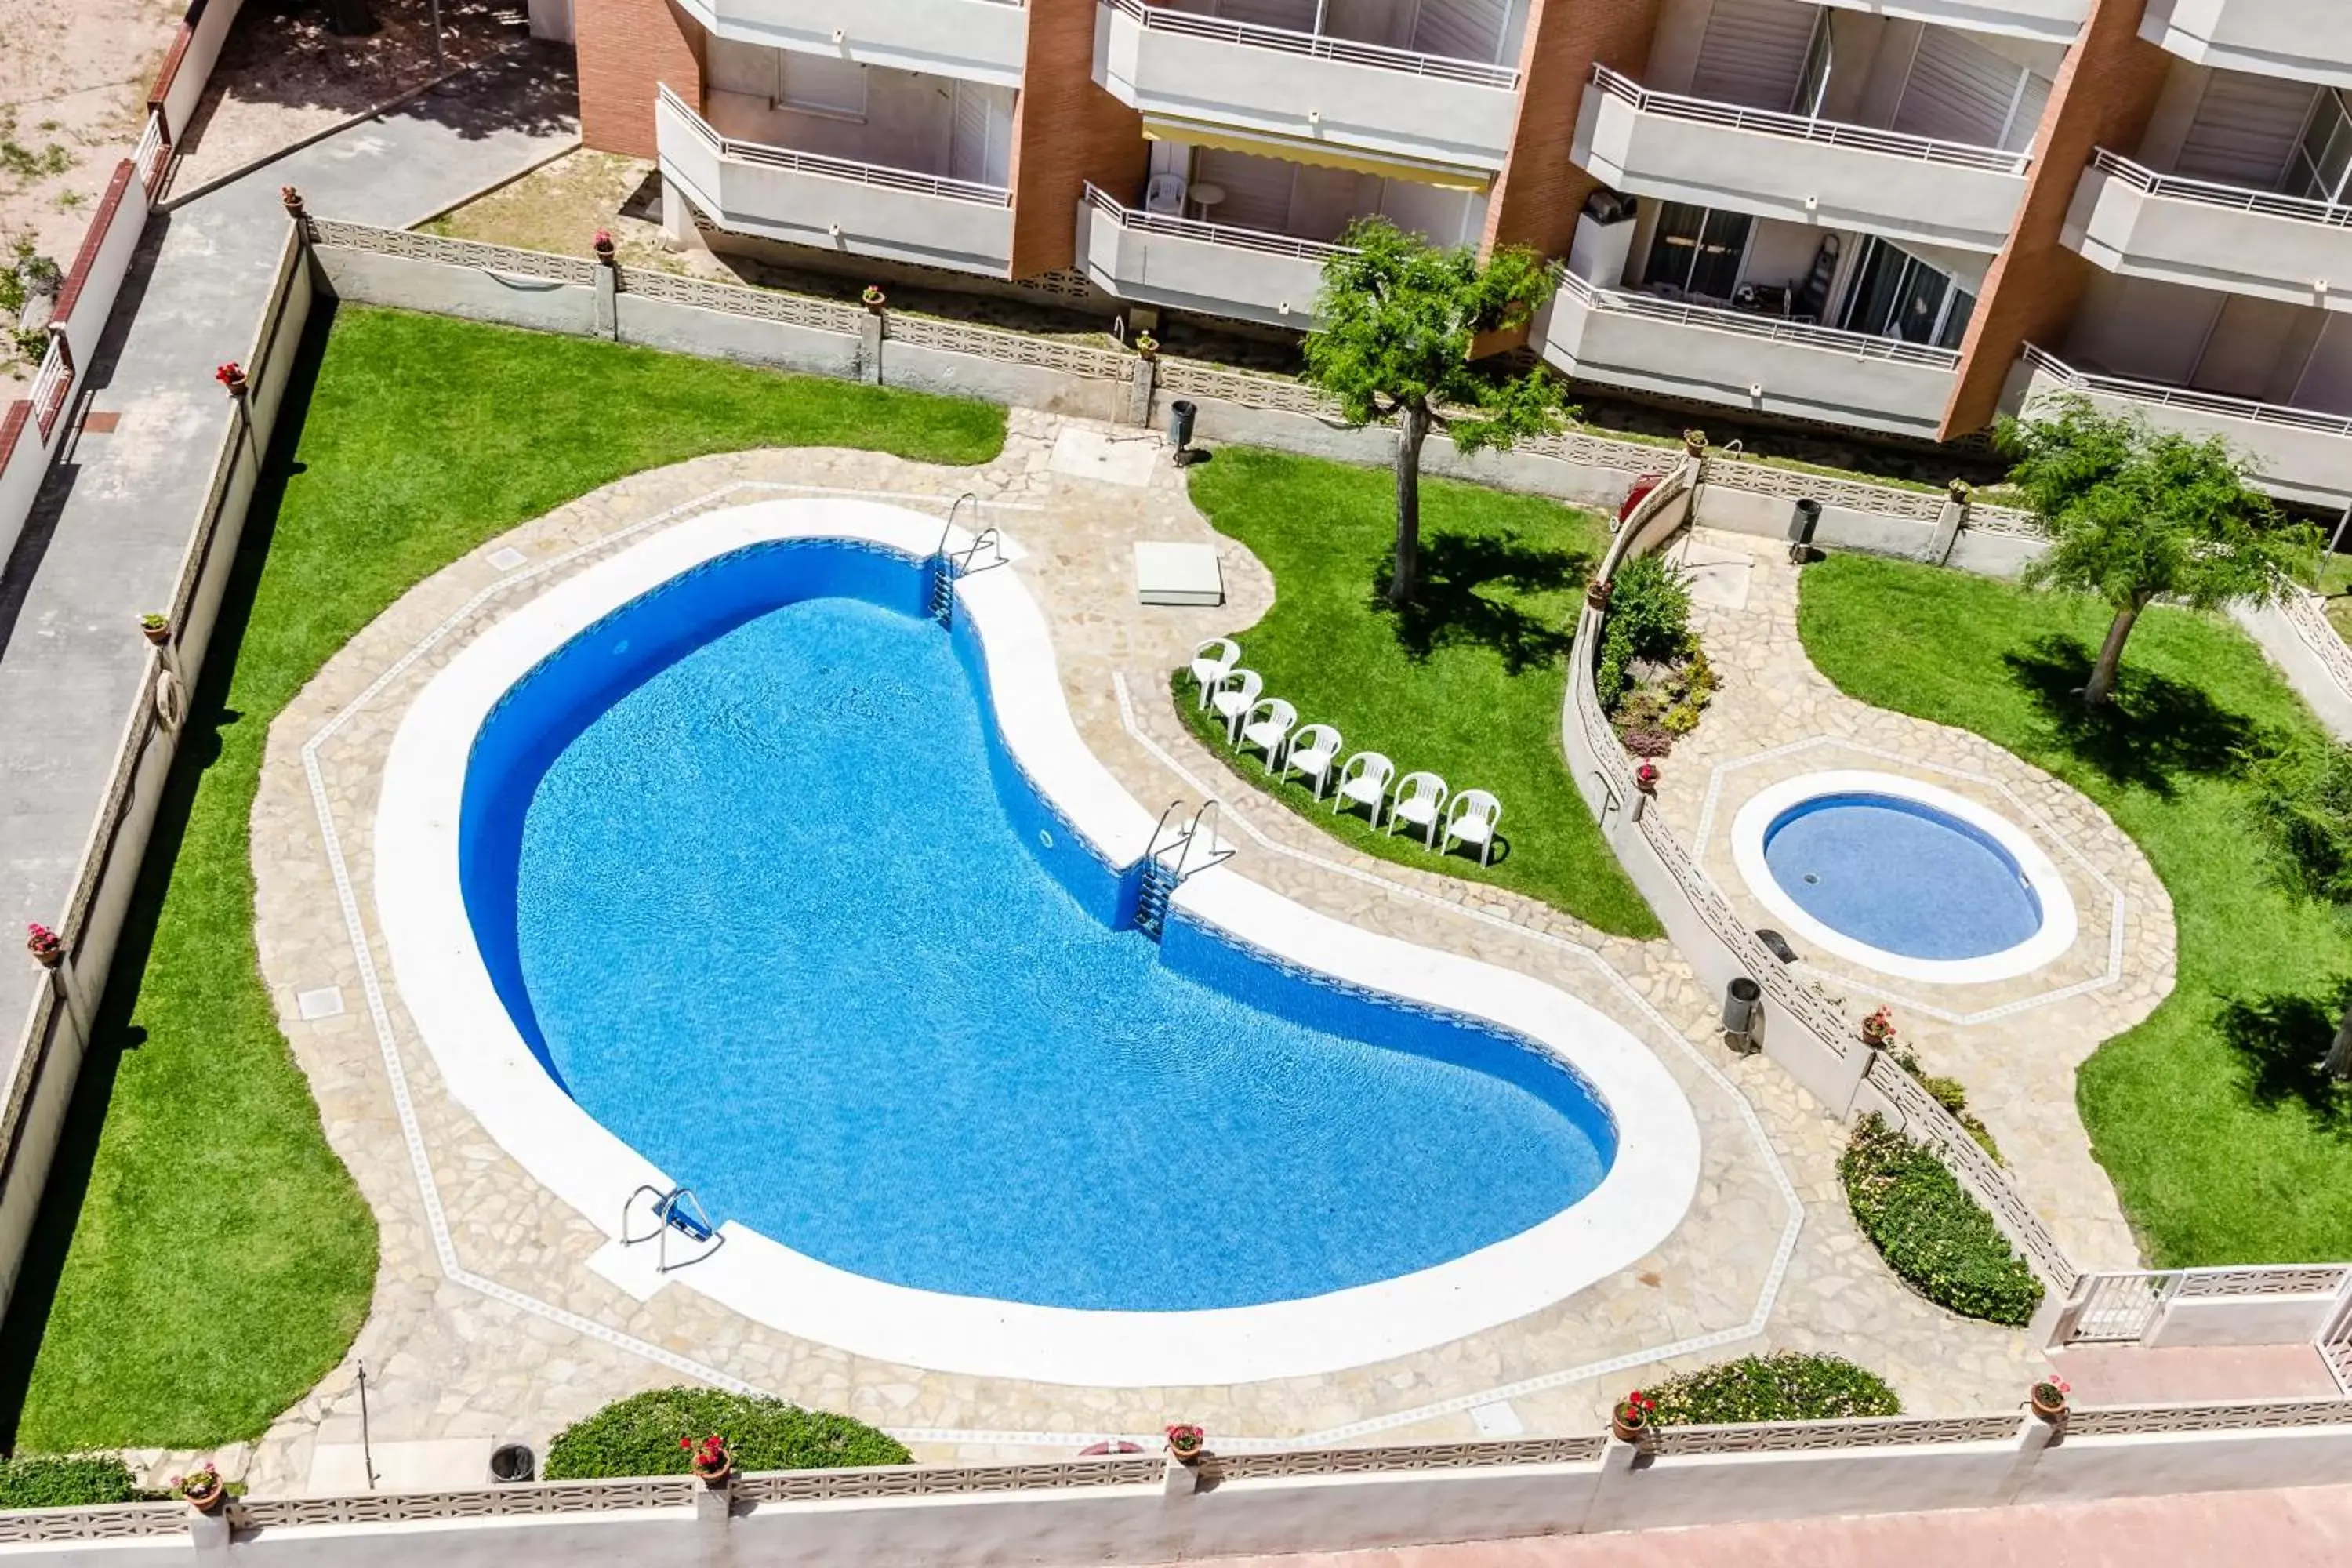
column 764, row 879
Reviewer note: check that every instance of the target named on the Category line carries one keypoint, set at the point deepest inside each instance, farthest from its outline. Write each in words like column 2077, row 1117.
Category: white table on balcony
column 1205, row 196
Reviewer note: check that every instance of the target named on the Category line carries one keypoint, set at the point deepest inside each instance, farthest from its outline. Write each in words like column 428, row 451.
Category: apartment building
column 1894, row 216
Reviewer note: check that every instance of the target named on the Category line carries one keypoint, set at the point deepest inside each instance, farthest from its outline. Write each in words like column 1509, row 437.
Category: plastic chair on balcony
column 1267, row 727
column 1232, row 698
column 1164, row 195
column 1364, row 781
column 1212, row 662
column 1420, row 802
column 1471, row 819
column 1312, row 751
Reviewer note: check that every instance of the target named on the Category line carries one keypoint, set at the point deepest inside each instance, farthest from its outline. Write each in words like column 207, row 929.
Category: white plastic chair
column 1471, row 819
column 1212, row 662
column 1364, row 781
column 1312, row 751
column 1234, row 696
column 1420, row 802
column 1269, row 733
column 1164, row 194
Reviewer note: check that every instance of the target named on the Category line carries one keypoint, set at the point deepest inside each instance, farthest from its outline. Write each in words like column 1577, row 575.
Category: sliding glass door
column 1696, row 252
column 1896, row 295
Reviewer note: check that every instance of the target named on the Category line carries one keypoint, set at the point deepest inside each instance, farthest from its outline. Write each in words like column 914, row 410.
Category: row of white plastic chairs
column 1420, row 799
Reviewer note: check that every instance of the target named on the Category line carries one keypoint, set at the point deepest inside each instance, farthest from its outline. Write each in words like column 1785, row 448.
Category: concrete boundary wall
column 49, row 1048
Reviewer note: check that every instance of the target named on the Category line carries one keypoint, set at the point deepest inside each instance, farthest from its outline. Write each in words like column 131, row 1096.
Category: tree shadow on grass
column 2153, row 729
column 1456, row 602
column 2283, row 1040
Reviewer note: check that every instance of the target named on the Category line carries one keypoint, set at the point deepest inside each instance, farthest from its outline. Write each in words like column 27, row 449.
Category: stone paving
column 490, row 1325
column 2014, row 1044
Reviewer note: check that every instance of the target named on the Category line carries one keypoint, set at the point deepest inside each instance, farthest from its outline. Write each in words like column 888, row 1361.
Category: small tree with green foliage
column 2134, row 515
column 1399, row 318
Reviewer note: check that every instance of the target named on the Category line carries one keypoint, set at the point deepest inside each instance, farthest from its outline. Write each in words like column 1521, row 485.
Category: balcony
column 2132, row 220
column 1307, row 88
column 1182, row 264
column 2298, row 454
column 2050, row 21
column 1817, row 172
column 979, row 40
column 2305, row 39
column 833, row 204
column 1756, row 364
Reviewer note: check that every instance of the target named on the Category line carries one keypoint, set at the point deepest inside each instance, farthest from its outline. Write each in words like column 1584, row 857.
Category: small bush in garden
column 1649, row 618
column 1787, row 1386
column 1936, row 1238
column 66, row 1480
column 639, row 1436
column 2303, row 794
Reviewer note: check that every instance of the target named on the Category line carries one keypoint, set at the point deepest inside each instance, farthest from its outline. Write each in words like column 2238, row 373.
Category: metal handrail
column 874, row 175
column 1213, row 233
column 2213, row 192
column 1714, row 318
column 1317, row 46
column 1861, row 138
column 2188, row 398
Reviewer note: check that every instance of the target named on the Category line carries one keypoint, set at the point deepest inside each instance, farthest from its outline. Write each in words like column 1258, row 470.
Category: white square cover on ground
column 1088, row 454
column 1172, row 573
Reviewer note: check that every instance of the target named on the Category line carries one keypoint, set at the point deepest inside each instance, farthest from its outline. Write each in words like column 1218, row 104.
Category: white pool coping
column 2058, row 928
column 491, row 1072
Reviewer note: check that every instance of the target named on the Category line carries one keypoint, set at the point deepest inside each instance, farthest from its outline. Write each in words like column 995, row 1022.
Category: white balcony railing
column 877, row 175
column 1772, row 329
column 1258, row 239
column 1316, row 46
column 2235, row 198
column 1828, row 132
column 2189, row 399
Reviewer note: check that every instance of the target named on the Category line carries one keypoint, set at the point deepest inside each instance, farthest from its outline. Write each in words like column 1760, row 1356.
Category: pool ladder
column 674, row 1209
column 1159, row 879
column 946, row 568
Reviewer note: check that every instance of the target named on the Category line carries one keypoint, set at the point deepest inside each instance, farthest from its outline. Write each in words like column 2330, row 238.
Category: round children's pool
column 1904, row 877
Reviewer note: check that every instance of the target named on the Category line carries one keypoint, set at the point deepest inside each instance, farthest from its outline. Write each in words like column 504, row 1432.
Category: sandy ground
column 283, row 77
column 73, row 96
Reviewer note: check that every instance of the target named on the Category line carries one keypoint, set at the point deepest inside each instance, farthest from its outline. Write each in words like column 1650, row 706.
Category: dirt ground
column 73, row 98
column 283, row 77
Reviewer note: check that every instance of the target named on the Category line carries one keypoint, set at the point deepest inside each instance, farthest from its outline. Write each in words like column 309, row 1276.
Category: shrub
column 639, row 1436
column 1649, row 618
column 2302, row 795
column 66, row 1480
column 1786, row 1386
column 1937, row 1239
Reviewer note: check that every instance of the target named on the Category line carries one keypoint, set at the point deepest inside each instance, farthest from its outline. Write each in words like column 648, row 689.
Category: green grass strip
column 2226, row 1142
column 216, row 1258
column 1467, row 684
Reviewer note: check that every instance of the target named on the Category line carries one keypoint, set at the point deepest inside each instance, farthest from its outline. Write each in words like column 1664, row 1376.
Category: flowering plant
column 1878, row 1029
column 231, row 375
column 198, row 1486
column 603, row 239
column 44, row 943
column 2052, row 1391
column 1645, row 777
column 1146, row 344
column 707, row 1455
column 1635, row 1409
column 1185, row 1439
column 872, row 296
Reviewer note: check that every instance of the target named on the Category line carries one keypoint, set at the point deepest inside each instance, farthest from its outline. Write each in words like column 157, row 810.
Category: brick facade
column 1536, row 199
column 1066, row 132
column 2102, row 97
column 627, row 48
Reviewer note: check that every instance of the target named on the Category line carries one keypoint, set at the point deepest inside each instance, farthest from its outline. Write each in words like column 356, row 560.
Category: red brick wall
column 1066, row 132
column 1536, row 200
column 2102, row 97
column 627, row 48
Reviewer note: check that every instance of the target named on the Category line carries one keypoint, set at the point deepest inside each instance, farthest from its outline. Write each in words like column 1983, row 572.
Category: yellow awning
column 1301, row 149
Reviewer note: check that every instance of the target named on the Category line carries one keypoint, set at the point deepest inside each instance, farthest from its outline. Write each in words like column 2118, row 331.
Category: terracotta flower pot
column 2050, row 1410
column 210, row 1500
column 1627, row 1429
column 1597, row 592
column 159, row 636
column 717, row 1475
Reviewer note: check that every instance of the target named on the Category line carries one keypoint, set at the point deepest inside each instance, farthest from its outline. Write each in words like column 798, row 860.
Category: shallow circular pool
column 1904, row 877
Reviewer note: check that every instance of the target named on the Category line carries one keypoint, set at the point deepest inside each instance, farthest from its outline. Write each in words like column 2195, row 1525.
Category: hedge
column 639, row 1436
column 66, row 1480
column 1936, row 1238
column 1787, row 1386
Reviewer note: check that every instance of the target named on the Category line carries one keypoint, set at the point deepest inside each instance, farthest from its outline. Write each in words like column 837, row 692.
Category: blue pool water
column 1902, row 876
column 754, row 878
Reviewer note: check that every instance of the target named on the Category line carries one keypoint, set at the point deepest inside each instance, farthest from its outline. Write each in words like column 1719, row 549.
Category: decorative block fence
column 1143, row 1508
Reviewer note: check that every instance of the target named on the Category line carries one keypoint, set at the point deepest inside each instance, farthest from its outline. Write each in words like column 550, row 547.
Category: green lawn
column 2225, row 1143
column 1467, row 684
column 218, row 1259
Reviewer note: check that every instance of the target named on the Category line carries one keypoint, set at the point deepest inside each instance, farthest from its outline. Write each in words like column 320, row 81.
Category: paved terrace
column 106, row 538
column 490, row 1323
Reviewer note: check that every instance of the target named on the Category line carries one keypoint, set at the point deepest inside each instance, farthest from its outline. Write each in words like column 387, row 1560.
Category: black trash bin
column 511, row 1463
column 1741, row 999
column 1180, row 424
column 1801, row 523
